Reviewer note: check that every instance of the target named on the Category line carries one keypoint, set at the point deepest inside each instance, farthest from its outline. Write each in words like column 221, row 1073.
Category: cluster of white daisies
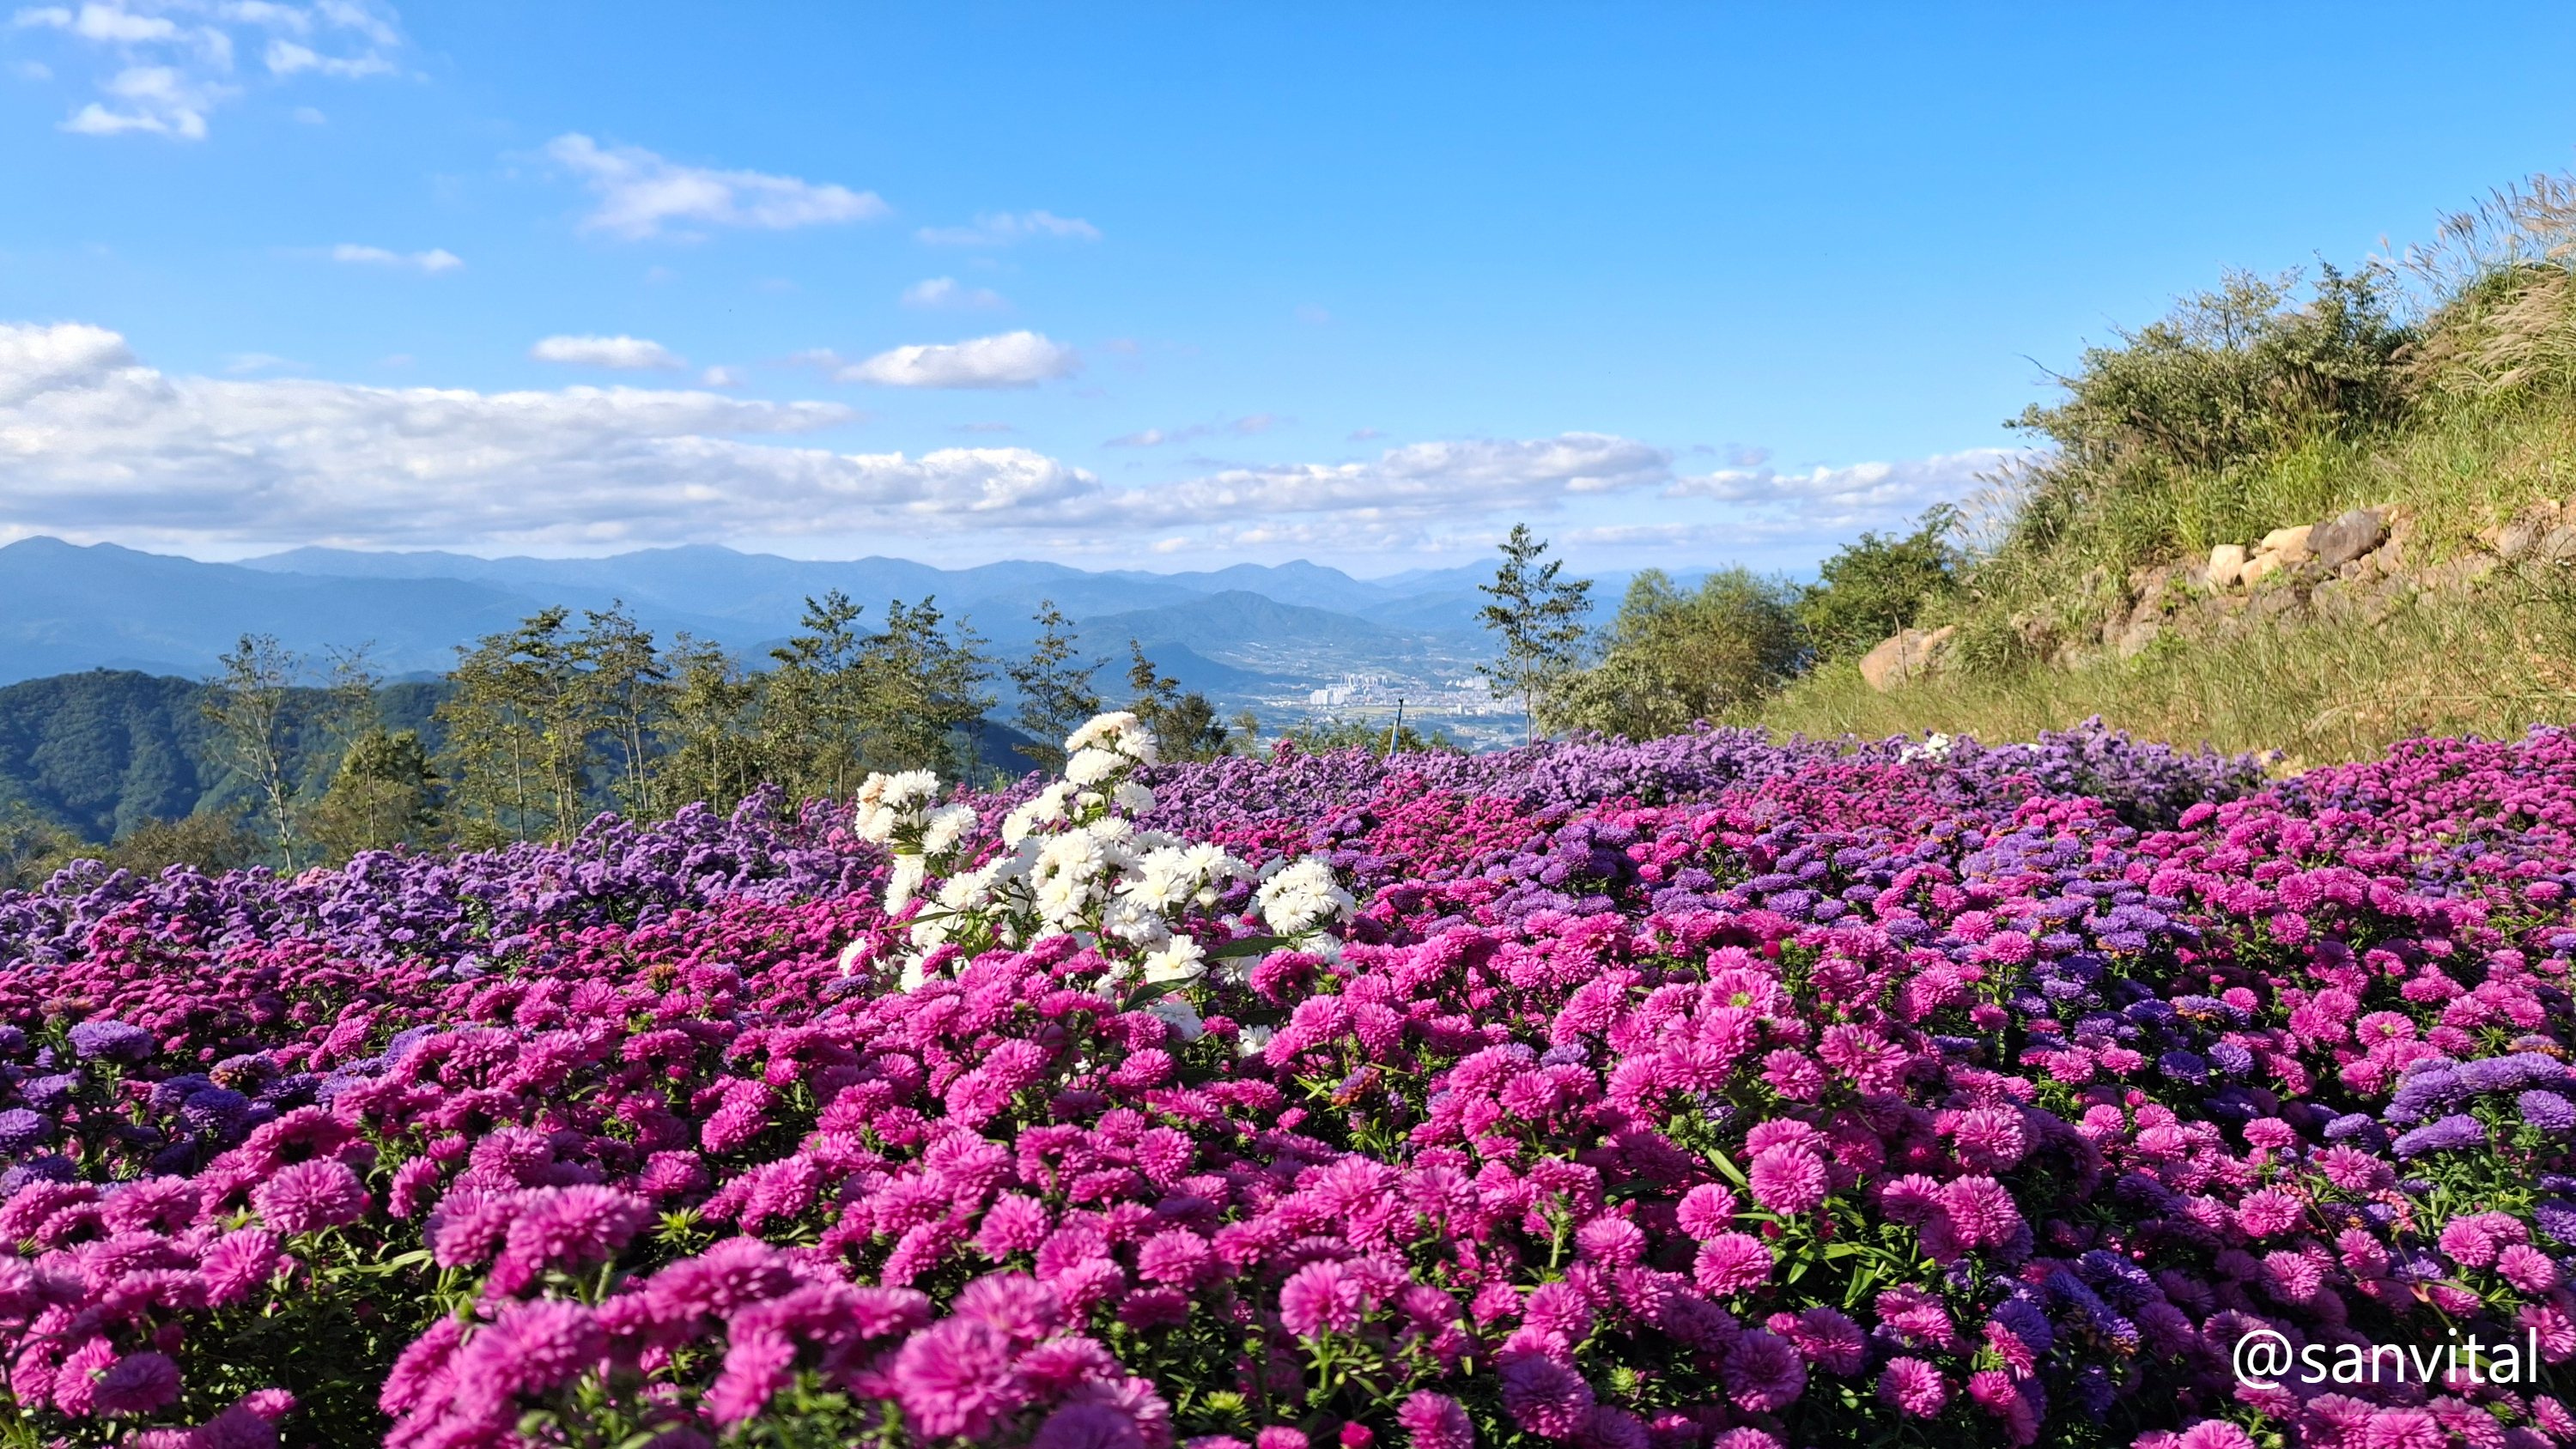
column 1072, row 861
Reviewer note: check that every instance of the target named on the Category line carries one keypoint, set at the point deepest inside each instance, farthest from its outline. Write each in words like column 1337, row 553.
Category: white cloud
column 1002, row 228
column 1012, row 359
column 723, row 377
column 621, row 352
column 435, row 260
column 309, row 116
column 93, row 441
column 1838, row 494
column 172, row 60
column 945, row 292
column 1243, row 427
column 638, row 191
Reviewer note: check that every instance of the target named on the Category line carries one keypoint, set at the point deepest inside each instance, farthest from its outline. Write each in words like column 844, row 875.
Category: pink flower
column 1087, row 1426
column 2527, row 1268
column 1988, row 1139
column 1981, row 1212
column 1707, row 1211
column 2403, row 1429
column 954, row 1377
column 2214, row 1434
column 1788, row 1178
column 1321, row 1298
column 1914, row 1387
column 1732, row 1263
column 2268, row 1211
column 321, row 1193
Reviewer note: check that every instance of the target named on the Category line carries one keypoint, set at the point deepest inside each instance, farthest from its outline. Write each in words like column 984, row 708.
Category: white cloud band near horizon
column 98, row 444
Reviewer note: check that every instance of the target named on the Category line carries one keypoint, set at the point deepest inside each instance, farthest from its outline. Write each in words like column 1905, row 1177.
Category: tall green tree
column 1057, row 691
column 813, row 714
column 518, row 733
column 1874, row 587
column 384, row 794
column 711, row 734
column 924, row 685
column 253, row 706
column 1670, row 658
column 627, row 692
column 1540, row 620
column 1185, row 724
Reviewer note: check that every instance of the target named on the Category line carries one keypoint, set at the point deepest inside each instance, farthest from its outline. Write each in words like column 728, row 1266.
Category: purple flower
column 311, row 1195
column 22, row 1131
column 1764, row 1373
column 2450, row 1134
column 2547, row 1111
column 1088, row 1426
column 1545, row 1397
column 138, row 1383
column 1435, row 1421
column 112, row 1041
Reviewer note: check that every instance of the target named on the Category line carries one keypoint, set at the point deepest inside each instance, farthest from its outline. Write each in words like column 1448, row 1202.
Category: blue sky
column 1155, row 286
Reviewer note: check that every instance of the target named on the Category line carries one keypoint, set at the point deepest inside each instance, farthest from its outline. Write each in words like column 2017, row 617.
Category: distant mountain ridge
column 1236, row 631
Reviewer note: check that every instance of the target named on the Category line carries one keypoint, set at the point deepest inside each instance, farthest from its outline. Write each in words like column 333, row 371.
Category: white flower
column 1098, row 728
column 1252, row 1041
column 946, row 826
column 1137, row 742
column 853, row 956
column 1131, row 797
column 1090, row 767
column 912, row 787
column 908, row 874
column 1304, row 896
column 913, row 976
column 1179, row 1015
column 1182, row 960
column 874, row 823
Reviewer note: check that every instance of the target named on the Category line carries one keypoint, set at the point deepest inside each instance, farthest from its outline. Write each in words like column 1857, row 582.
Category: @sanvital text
column 2265, row 1358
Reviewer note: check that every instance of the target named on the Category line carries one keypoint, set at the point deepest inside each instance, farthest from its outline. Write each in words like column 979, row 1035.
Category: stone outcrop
column 1905, row 656
column 2359, row 566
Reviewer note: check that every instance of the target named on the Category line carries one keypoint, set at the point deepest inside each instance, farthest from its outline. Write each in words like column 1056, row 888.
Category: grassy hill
column 2449, row 408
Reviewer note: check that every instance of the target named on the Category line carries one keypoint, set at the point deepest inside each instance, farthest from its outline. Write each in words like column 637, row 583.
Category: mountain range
column 1238, row 633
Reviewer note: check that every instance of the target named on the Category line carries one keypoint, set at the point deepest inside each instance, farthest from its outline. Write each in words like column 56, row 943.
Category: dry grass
column 2490, row 665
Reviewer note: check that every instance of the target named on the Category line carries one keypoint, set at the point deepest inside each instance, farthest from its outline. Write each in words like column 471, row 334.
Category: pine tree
column 1057, row 692
column 1541, row 621
column 1186, row 724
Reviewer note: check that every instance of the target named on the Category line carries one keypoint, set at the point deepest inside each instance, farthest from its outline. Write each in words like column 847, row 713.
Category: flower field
column 1704, row 1094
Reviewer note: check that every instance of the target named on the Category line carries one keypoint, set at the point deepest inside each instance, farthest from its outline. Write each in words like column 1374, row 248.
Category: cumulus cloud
column 639, row 192
column 938, row 292
column 1002, row 228
column 1011, row 359
column 1848, row 492
column 171, row 62
column 723, row 377
column 93, row 440
column 435, row 260
column 621, row 352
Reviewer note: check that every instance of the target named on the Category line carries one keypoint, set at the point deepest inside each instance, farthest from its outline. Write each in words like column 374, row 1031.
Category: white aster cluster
column 1072, row 861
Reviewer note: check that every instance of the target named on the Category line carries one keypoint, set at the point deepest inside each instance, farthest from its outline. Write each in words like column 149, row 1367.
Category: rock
column 2258, row 568
column 1904, row 656
column 2525, row 530
column 2347, row 537
column 2461, row 573
column 2138, row 636
column 2292, row 541
column 2557, row 546
column 2226, row 563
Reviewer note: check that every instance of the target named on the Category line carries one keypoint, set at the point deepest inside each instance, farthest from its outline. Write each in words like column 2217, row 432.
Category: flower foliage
column 1710, row 1094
